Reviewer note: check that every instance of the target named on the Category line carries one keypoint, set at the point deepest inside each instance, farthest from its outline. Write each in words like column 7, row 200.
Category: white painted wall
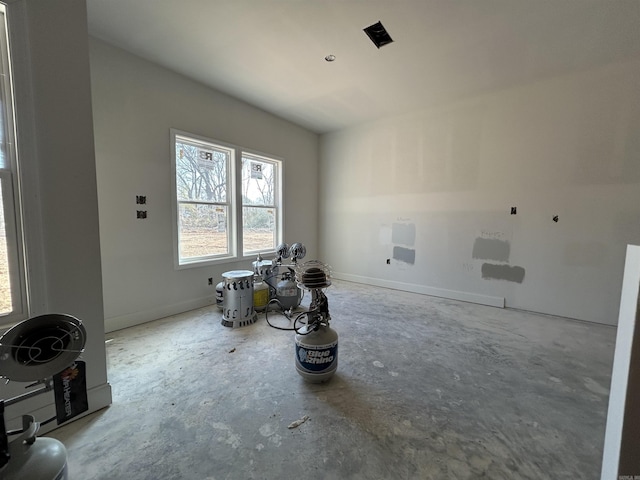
column 56, row 154
column 135, row 103
column 565, row 146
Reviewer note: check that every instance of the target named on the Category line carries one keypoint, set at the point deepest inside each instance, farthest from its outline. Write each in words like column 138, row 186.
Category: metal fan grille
column 313, row 274
column 40, row 347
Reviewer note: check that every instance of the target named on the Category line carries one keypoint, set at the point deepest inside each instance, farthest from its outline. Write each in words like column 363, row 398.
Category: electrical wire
column 273, row 291
column 48, row 421
column 299, row 331
column 282, row 310
column 298, row 318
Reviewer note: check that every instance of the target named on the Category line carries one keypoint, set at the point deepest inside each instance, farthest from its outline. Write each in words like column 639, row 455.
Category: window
column 215, row 194
column 260, row 219
column 203, row 194
column 12, row 272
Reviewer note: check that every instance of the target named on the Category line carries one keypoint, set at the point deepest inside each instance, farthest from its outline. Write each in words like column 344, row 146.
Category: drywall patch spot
column 406, row 255
column 385, row 235
column 491, row 249
column 491, row 271
column 403, row 233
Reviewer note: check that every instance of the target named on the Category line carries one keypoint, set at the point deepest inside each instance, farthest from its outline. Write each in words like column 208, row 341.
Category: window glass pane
column 202, row 230
column 258, row 181
column 259, row 229
column 201, row 172
column 4, row 90
column 6, row 305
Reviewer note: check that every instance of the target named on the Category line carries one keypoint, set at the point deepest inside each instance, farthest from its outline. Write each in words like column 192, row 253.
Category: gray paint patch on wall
column 406, row 255
column 502, row 272
column 491, row 249
column 403, row 233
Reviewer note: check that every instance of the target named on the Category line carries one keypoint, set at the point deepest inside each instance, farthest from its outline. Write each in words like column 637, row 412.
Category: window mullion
column 203, row 202
column 239, row 214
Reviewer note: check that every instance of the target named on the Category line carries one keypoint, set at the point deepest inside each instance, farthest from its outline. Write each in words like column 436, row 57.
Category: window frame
column 277, row 199
column 230, row 199
column 234, row 201
column 11, row 192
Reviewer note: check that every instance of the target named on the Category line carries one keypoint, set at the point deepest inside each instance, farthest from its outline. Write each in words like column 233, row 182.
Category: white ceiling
column 270, row 53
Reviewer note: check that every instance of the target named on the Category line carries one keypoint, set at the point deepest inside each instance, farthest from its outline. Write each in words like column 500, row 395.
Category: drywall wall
column 135, row 104
column 58, row 180
column 564, row 152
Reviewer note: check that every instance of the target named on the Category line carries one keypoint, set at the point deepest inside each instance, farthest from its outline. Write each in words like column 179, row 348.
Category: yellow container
column 260, row 295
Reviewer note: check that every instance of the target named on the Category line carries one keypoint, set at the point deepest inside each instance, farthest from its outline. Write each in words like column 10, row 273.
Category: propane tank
column 44, row 458
column 316, row 353
column 220, row 295
column 287, row 292
column 316, row 342
column 260, row 294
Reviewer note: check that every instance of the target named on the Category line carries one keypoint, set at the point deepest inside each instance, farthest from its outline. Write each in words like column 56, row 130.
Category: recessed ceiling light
column 330, row 58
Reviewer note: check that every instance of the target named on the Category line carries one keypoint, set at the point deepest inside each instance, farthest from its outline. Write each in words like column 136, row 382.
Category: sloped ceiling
column 271, row 53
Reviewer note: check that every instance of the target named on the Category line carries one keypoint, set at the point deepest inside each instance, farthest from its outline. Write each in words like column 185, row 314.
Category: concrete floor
column 426, row 388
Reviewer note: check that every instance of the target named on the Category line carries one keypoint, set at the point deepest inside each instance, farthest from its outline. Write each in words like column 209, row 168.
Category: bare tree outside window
column 201, row 188
column 259, row 209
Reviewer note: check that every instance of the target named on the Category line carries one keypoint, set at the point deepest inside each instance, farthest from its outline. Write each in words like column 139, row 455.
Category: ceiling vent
column 378, row 34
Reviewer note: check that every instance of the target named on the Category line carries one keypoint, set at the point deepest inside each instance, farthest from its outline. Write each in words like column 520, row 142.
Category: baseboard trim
column 124, row 321
column 425, row 290
column 111, row 324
